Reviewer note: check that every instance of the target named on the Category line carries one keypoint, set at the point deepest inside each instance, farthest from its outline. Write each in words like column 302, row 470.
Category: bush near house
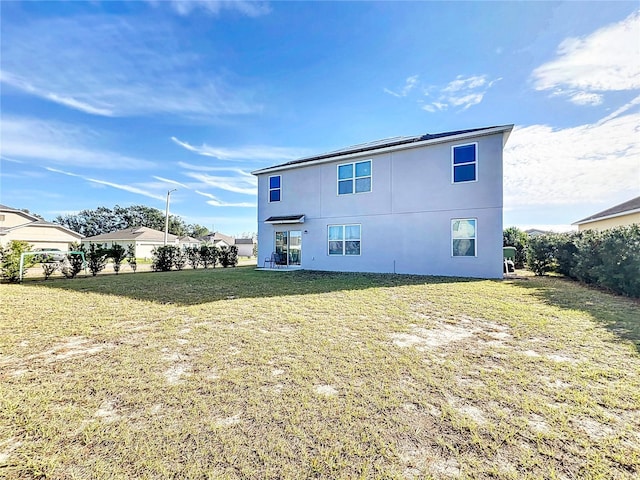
column 609, row 259
column 96, row 258
column 162, row 258
column 10, row 260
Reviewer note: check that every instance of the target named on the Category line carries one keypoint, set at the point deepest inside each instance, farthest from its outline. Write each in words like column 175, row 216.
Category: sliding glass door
column 289, row 247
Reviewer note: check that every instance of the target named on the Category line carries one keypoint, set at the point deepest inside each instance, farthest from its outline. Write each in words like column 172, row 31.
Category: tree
column 197, row 231
column 105, row 220
column 514, row 237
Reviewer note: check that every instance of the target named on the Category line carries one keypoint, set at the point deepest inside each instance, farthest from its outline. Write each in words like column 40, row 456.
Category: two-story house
column 429, row 205
column 18, row 225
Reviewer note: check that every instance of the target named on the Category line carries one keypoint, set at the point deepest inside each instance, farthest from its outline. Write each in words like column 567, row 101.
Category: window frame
column 344, row 240
column 475, row 163
column 474, row 238
column 354, row 178
column 279, row 188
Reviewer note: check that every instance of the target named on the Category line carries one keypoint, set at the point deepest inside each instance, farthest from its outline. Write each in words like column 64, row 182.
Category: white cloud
column 606, row 60
column 465, row 84
column 170, row 182
column 214, row 7
column 106, row 66
column 35, row 141
column 250, row 152
column 244, row 185
column 119, row 186
column 409, row 84
column 216, row 202
column 462, row 92
column 583, row 164
column 206, row 168
column 584, row 98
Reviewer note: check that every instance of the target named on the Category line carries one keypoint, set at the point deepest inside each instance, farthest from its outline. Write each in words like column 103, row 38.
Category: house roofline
column 404, row 145
column 606, row 217
column 47, row 224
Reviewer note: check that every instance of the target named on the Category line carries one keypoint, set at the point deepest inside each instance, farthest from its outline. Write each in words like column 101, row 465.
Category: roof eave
column 406, row 146
column 606, row 217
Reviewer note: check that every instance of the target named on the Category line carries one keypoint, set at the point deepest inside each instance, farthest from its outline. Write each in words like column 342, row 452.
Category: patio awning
column 285, row 219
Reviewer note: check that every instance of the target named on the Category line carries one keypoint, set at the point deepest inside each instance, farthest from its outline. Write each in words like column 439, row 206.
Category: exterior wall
column 12, row 219
column 143, row 248
column 604, row 224
column 41, row 237
column 245, row 249
column 405, row 219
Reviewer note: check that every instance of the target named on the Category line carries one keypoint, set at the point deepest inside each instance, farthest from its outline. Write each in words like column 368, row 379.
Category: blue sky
column 107, row 103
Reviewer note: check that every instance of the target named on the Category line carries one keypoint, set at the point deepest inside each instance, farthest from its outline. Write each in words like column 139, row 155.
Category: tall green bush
column 228, row 256
column 131, row 257
column 117, row 253
column 74, row 264
column 609, row 259
column 96, row 258
column 10, row 260
column 208, row 255
column 541, row 254
column 180, row 257
column 193, row 255
column 162, row 260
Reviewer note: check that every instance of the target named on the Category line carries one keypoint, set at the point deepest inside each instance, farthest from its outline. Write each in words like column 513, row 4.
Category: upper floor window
column 344, row 239
column 354, row 177
column 465, row 163
column 275, row 183
column 463, row 237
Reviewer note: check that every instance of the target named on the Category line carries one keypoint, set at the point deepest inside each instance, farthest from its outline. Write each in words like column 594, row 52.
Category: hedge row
column 609, row 259
column 168, row 257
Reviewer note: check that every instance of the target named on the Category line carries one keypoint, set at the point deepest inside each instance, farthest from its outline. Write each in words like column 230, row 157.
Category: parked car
column 49, row 255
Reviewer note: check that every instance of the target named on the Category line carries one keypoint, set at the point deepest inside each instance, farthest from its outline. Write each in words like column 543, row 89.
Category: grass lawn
column 241, row 374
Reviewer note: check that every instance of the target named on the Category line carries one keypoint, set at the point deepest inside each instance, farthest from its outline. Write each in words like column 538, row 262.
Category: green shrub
column 162, row 260
column 208, row 255
column 228, row 256
column 193, row 255
column 96, row 258
column 180, row 258
column 10, row 260
column 117, row 253
column 609, row 259
column 541, row 254
column 131, row 257
column 49, row 268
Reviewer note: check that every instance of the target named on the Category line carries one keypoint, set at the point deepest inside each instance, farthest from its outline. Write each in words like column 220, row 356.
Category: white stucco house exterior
column 143, row 239
column 18, row 225
column 428, row 205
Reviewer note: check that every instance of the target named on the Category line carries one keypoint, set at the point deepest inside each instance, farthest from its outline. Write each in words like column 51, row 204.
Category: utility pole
column 166, row 217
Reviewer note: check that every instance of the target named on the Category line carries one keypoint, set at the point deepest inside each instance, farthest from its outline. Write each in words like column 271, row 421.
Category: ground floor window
column 463, row 237
column 344, row 239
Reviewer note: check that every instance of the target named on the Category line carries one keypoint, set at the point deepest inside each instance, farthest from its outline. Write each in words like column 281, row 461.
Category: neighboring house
column 626, row 213
column 18, row 225
column 534, row 232
column 144, row 240
column 188, row 242
column 429, row 204
column 245, row 246
column 218, row 239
